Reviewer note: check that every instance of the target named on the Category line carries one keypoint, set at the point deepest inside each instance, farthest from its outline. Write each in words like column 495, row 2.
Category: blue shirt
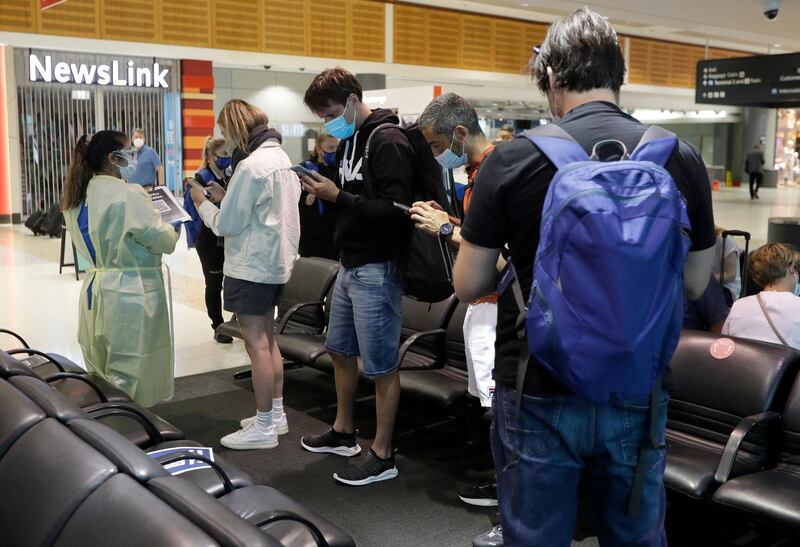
column 146, row 162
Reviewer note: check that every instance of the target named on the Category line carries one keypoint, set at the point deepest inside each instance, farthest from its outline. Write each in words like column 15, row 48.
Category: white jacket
column 259, row 217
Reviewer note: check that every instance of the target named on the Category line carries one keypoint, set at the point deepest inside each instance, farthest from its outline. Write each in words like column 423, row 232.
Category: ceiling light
column 524, row 5
column 776, row 45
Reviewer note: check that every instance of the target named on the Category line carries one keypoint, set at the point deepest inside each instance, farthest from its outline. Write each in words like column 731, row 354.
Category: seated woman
column 772, row 315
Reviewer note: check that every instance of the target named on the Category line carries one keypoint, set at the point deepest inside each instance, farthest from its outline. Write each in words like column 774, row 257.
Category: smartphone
column 404, row 208
column 301, row 170
column 193, row 183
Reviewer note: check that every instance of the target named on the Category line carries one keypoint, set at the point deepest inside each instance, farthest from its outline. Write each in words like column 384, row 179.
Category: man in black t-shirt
column 581, row 69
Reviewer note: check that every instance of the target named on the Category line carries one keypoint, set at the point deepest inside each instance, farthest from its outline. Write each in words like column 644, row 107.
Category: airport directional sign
column 764, row 80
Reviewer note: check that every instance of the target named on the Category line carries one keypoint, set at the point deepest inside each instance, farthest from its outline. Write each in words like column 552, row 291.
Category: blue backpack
column 606, row 305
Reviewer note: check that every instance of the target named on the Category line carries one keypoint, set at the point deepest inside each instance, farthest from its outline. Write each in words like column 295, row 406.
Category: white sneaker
column 280, row 422
column 251, row 437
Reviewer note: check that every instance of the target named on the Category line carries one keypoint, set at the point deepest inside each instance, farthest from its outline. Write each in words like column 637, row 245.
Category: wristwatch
column 446, row 230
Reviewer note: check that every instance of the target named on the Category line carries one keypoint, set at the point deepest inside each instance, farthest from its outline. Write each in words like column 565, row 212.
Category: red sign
column 44, row 4
column 723, row 348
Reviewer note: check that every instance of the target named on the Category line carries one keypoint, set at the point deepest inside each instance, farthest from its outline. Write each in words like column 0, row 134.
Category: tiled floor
column 41, row 305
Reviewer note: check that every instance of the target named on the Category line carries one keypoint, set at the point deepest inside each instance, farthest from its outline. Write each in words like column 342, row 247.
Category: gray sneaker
column 370, row 468
column 492, row 538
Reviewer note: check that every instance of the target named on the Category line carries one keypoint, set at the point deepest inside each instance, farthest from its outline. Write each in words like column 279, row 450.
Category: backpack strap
column 365, row 164
column 656, row 146
column 557, row 145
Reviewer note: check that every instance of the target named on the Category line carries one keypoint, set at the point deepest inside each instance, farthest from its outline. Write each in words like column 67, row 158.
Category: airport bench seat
column 76, row 482
column 718, row 433
column 772, row 495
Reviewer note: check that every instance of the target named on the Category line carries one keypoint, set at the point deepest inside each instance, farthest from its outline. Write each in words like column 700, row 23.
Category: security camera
column 771, row 9
column 267, row 67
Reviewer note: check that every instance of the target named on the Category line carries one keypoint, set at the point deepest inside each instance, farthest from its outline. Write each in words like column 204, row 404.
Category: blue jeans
column 560, row 438
column 366, row 316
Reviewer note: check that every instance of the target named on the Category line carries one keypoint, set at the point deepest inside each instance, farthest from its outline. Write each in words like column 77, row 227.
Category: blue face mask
column 340, row 128
column 223, row 163
column 330, row 157
column 449, row 160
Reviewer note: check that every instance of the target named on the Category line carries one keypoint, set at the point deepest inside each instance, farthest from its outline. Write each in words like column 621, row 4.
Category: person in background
column 209, row 247
column 504, row 135
column 731, row 279
column 317, row 217
column 754, row 165
column 366, row 312
column 450, row 125
column 580, row 68
column 124, row 326
column 148, row 171
column 708, row 312
column 773, row 315
column 258, row 218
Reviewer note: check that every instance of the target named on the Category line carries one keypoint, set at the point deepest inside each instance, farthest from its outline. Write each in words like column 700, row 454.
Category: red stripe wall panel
column 197, row 113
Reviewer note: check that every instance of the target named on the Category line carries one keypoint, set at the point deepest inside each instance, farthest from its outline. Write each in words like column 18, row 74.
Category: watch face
column 446, row 229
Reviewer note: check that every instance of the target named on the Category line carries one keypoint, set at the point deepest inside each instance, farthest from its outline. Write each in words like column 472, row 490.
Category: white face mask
column 138, row 142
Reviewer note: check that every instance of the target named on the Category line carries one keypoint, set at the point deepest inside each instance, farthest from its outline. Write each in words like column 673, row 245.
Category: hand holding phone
column 194, row 184
column 405, row 208
column 301, row 170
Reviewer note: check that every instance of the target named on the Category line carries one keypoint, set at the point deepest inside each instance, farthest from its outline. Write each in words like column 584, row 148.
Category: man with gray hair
column 450, row 126
column 545, row 445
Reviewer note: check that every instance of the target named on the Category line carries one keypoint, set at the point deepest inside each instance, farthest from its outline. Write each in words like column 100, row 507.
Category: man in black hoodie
column 365, row 315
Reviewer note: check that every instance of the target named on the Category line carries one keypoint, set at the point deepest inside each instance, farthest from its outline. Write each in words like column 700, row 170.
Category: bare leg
column 387, row 398
column 257, row 344
column 277, row 358
column 345, row 372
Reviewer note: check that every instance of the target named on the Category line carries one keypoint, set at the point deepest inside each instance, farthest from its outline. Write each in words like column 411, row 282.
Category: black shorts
column 250, row 298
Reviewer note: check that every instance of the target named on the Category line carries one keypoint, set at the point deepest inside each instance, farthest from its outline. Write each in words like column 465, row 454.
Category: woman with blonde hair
column 124, row 328
column 258, row 217
column 773, row 315
column 210, row 250
column 318, row 219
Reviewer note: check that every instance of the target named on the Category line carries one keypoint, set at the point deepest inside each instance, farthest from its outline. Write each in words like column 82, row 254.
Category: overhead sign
column 115, row 74
column 764, row 80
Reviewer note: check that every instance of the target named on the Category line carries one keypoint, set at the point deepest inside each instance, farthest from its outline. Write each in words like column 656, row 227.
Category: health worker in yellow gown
column 124, row 328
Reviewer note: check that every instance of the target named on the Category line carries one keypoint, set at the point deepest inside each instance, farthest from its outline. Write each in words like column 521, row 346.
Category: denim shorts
column 366, row 316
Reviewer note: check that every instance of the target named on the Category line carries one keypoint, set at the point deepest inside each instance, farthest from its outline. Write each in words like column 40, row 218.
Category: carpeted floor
column 419, row 508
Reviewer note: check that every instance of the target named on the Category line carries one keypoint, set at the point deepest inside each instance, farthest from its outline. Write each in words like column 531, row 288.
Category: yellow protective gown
column 125, row 336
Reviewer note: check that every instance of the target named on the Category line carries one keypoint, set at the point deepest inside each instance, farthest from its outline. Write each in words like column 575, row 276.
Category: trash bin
column 784, row 230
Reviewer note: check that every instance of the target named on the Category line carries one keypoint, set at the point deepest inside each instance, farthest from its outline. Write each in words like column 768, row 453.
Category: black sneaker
column 484, row 495
column 223, row 338
column 368, row 469
column 332, row 442
column 492, row 538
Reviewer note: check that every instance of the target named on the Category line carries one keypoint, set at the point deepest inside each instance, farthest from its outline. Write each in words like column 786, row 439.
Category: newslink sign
column 43, row 69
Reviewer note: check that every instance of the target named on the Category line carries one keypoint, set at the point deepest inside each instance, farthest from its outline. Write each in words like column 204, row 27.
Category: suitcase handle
column 736, row 233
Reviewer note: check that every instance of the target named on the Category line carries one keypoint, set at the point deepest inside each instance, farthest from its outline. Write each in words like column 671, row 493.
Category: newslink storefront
column 62, row 95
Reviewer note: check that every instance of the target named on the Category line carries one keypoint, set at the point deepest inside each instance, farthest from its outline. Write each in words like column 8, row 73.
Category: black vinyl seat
column 301, row 306
column 138, row 425
column 442, row 383
column 67, row 480
column 772, row 495
column 720, row 420
column 304, row 347
column 59, row 372
column 422, row 336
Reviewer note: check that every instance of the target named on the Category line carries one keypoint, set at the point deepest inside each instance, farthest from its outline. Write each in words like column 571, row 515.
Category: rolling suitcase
column 743, row 258
column 34, row 221
column 53, row 221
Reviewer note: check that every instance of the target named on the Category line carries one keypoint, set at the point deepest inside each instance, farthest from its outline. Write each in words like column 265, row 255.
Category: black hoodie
column 371, row 229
